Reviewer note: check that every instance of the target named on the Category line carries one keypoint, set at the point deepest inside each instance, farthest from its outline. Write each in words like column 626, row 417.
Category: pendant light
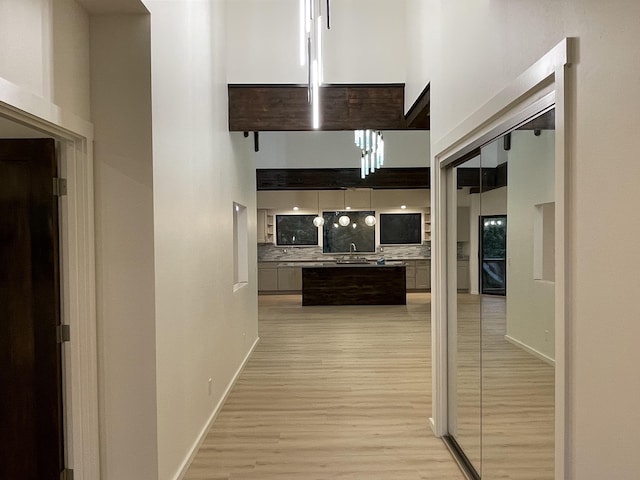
column 370, row 220
column 371, row 145
column 344, row 220
column 310, row 42
column 318, row 221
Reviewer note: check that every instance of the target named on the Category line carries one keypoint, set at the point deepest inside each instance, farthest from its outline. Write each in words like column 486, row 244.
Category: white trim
column 531, row 350
column 216, row 411
column 562, row 279
column 439, row 336
column 77, row 268
column 545, row 76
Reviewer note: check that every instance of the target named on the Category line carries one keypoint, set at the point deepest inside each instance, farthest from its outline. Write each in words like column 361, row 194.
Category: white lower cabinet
column 423, row 274
column 418, row 274
column 463, row 275
column 411, row 275
column 290, row 278
column 286, row 278
column 267, row 279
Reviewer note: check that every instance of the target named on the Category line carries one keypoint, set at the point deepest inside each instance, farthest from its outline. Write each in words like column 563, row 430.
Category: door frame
column 544, row 83
column 74, row 136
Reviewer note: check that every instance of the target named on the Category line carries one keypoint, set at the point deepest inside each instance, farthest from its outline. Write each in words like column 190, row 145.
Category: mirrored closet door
column 501, row 315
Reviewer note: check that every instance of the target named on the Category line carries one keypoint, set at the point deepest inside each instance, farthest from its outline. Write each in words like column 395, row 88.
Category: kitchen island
column 354, row 284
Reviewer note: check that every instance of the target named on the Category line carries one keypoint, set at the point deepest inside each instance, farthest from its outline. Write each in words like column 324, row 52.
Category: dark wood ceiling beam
column 340, row 178
column 418, row 116
column 343, row 107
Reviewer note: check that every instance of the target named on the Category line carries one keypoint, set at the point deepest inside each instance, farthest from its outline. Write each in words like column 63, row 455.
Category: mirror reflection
column 501, row 371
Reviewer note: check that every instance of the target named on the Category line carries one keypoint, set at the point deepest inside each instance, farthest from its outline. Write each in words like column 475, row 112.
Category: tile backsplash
column 269, row 252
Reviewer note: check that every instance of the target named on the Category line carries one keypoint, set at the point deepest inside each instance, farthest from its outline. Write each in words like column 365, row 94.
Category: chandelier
column 311, row 19
column 371, row 143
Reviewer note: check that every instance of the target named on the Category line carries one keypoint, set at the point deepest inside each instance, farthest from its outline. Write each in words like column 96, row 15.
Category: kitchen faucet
column 352, row 248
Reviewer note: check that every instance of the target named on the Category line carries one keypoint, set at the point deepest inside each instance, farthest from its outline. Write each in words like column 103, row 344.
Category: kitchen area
column 281, row 263
column 315, row 210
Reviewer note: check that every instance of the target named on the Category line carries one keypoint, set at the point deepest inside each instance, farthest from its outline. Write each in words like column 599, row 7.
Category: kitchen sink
column 349, row 260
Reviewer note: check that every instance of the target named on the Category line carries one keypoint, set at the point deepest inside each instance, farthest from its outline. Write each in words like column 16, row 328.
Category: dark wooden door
column 31, row 433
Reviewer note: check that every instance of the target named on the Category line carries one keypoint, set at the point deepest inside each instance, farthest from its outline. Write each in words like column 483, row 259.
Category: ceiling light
column 371, row 144
column 370, row 220
column 318, row 221
column 310, row 19
column 403, row 207
column 344, row 220
column 295, row 209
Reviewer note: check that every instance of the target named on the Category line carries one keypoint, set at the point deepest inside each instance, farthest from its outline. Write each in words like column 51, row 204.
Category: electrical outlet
column 210, row 385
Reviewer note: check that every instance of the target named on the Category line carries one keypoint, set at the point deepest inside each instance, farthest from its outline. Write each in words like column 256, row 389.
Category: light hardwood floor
column 331, row 393
column 505, row 411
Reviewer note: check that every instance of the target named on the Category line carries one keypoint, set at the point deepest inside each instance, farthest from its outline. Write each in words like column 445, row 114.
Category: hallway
column 331, row 393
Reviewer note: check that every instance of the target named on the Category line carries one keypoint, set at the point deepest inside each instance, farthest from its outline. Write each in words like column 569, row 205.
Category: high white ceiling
column 113, row 6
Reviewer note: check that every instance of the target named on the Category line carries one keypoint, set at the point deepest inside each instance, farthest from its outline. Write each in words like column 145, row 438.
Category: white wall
column 482, row 47
column 25, row 36
column 420, row 30
column 121, row 105
column 338, row 150
column 70, row 70
column 364, row 45
column 44, row 49
column 203, row 328
column 530, row 305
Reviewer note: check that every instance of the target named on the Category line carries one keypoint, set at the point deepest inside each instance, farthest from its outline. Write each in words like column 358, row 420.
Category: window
column 341, row 229
column 296, row 230
column 400, row 228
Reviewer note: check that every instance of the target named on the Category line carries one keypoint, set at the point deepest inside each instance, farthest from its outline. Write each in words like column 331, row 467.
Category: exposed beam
column 343, row 107
column 418, row 116
column 339, row 178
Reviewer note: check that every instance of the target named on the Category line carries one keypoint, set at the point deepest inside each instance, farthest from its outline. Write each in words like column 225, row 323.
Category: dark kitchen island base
column 368, row 284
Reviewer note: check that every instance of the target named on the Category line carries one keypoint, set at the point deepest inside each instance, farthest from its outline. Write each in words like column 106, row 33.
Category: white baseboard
column 432, row 424
column 530, row 350
column 203, row 433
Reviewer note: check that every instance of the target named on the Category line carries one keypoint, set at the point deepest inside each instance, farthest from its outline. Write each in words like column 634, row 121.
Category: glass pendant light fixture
column 318, row 221
column 344, row 220
column 310, row 19
column 371, row 144
column 370, row 220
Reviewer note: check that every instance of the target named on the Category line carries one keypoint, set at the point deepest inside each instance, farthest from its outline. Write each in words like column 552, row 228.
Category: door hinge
column 66, row 474
column 64, row 333
column 59, row 187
